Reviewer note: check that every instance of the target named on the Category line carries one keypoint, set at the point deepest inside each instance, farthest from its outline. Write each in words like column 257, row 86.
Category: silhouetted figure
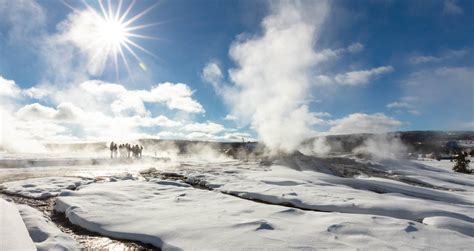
column 112, row 145
column 136, row 150
column 140, row 150
column 115, row 150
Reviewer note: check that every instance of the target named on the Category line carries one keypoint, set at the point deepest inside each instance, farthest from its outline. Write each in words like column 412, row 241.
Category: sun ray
column 109, row 11
column 126, row 64
column 143, row 36
column 104, row 12
column 139, row 15
column 116, row 67
column 142, row 26
column 107, row 34
column 140, row 47
column 129, row 8
column 119, row 8
column 68, row 5
column 131, row 52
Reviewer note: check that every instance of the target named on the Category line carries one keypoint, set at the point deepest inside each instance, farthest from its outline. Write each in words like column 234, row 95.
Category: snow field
column 173, row 216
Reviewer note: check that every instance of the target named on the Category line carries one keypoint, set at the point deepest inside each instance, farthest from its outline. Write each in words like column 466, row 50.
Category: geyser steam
column 272, row 79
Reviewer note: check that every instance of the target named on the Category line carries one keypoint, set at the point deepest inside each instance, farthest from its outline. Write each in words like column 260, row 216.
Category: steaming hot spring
column 203, row 195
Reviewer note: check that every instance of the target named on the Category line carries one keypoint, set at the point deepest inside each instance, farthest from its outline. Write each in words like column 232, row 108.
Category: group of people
column 125, row 150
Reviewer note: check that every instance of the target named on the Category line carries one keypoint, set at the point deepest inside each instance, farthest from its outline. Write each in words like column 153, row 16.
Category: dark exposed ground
column 423, row 142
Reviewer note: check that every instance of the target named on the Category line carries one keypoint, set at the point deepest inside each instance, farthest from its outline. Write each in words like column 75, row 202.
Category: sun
column 112, row 33
column 108, row 33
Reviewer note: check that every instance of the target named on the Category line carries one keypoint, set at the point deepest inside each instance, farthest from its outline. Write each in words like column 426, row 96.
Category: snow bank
column 41, row 188
column 13, row 233
column 323, row 192
column 44, row 233
column 170, row 216
column 463, row 227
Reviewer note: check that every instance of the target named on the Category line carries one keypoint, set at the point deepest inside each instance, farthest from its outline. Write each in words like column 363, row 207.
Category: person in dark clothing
column 140, row 150
column 112, row 145
column 115, row 150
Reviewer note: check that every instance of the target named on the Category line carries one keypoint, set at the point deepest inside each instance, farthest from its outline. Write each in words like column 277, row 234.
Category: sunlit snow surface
column 293, row 203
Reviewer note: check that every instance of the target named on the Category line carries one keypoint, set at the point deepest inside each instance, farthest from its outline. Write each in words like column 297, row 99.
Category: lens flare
column 110, row 33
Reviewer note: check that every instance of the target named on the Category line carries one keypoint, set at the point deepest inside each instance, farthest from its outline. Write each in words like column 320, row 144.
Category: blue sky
column 366, row 66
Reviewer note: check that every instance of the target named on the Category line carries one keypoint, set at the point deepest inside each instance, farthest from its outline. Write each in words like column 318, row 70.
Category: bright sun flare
column 112, row 33
column 108, row 33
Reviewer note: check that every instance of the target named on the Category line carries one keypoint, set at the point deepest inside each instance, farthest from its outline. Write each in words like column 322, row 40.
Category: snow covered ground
column 173, row 215
column 44, row 233
column 292, row 202
column 41, row 188
column 13, row 232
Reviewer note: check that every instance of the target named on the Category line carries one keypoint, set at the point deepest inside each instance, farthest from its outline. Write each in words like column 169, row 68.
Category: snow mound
column 13, row 233
column 42, row 188
column 44, row 233
column 463, row 227
column 172, row 216
column 324, row 192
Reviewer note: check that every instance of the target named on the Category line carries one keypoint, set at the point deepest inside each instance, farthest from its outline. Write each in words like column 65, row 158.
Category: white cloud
column 364, row 123
column 449, row 85
column 468, row 125
column 64, row 112
column 405, row 103
column 99, row 95
column 238, row 137
column 409, row 104
column 447, row 55
column 207, row 127
column 97, row 110
column 161, row 120
column 175, row 96
column 354, row 78
column 424, row 59
column 230, row 117
column 36, row 111
column 38, row 92
column 322, row 114
column 355, row 47
column 450, row 7
column 443, row 90
column 25, row 18
column 92, row 124
column 328, row 54
column 213, row 74
column 8, row 88
column 399, row 104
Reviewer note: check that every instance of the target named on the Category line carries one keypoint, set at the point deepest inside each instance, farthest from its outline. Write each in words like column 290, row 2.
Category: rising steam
column 272, row 80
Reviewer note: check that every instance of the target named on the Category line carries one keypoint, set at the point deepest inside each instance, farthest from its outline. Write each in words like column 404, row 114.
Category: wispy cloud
column 364, row 123
column 425, row 90
column 354, row 78
column 409, row 104
column 212, row 74
column 447, row 55
column 451, row 7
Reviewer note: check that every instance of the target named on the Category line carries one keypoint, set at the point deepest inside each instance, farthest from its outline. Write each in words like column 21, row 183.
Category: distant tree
column 462, row 164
